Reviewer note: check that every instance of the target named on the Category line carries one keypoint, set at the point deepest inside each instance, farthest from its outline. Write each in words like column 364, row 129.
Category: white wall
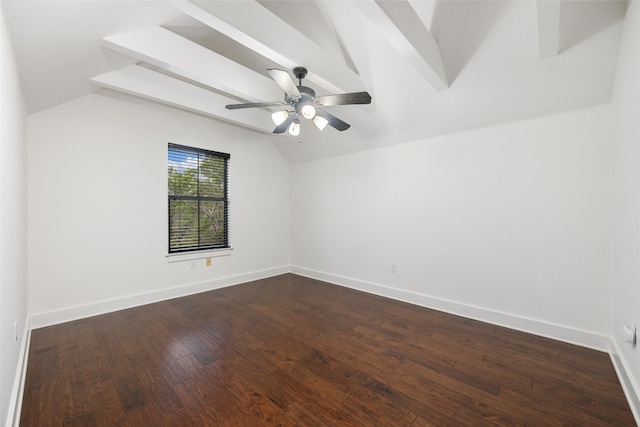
column 626, row 198
column 13, row 206
column 508, row 224
column 97, row 197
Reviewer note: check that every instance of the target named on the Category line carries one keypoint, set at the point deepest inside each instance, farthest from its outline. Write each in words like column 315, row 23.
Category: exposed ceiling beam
column 401, row 26
column 548, row 14
column 171, row 52
column 254, row 26
column 426, row 10
column 149, row 84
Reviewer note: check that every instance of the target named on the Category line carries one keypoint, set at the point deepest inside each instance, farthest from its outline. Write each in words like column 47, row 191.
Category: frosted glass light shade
column 294, row 129
column 279, row 117
column 308, row 111
column 320, row 122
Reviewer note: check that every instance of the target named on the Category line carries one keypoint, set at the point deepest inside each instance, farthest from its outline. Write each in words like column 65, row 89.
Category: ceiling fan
column 303, row 103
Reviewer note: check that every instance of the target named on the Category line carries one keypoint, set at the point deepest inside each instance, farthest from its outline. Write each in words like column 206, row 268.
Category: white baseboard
column 17, row 391
column 629, row 386
column 532, row 326
column 40, row 320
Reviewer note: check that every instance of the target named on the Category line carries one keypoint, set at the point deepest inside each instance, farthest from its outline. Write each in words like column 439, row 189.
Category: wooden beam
column 255, row 27
column 548, row 14
column 401, row 26
column 171, row 52
column 148, row 84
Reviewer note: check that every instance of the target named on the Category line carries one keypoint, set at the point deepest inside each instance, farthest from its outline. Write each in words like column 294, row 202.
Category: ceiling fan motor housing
column 305, row 104
column 307, row 97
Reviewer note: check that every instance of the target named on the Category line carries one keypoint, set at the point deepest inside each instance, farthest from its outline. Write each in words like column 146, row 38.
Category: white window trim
column 190, row 256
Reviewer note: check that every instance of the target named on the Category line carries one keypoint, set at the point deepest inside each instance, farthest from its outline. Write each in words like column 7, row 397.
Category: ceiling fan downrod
column 300, row 73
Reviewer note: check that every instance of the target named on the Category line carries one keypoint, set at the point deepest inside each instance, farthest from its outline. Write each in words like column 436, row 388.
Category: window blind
column 198, row 199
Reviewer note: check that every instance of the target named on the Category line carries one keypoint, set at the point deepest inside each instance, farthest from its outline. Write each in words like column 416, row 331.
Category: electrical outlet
column 629, row 334
column 393, row 267
column 15, row 332
column 193, row 264
column 208, row 262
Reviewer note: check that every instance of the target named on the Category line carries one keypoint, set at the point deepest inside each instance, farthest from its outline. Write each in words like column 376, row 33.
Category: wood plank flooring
column 292, row 351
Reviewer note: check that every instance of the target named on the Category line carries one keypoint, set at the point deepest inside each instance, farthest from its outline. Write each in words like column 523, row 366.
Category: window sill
column 189, row 256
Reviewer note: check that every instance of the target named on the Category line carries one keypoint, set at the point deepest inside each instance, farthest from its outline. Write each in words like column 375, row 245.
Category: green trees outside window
column 198, row 199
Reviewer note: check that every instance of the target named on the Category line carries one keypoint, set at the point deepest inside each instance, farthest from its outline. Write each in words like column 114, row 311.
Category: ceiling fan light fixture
column 294, row 129
column 308, row 111
column 279, row 117
column 320, row 122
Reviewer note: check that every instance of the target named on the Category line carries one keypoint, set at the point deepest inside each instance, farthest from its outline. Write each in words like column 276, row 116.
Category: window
column 198, row 199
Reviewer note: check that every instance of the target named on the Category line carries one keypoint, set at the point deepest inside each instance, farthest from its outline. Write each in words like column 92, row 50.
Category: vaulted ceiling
column 431, row 66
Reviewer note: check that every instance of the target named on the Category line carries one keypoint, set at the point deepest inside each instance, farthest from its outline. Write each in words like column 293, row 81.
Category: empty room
column 319, row 213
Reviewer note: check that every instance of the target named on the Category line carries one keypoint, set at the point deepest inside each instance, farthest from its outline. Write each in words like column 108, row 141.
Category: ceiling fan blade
column 285, row 81
column 344, row 99
column 333, row 121
column 282, row 127
column 254, row 105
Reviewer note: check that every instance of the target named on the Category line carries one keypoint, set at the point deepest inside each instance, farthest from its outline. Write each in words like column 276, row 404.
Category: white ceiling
column 431, row 66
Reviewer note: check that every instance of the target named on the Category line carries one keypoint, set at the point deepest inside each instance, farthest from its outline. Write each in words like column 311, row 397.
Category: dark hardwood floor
column 294, row 351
